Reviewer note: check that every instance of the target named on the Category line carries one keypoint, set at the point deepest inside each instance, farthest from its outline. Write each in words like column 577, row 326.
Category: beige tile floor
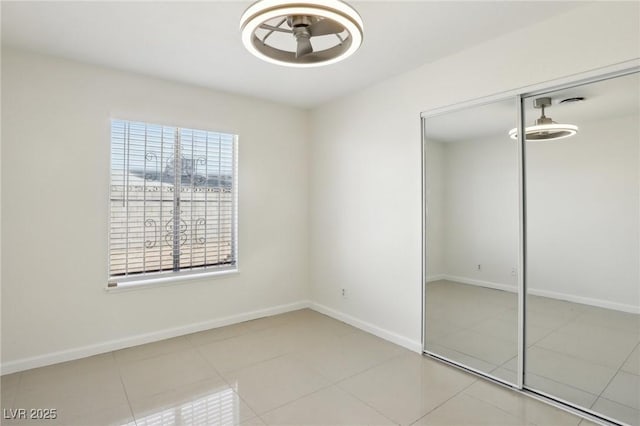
column 292, row 369
column 585, row 355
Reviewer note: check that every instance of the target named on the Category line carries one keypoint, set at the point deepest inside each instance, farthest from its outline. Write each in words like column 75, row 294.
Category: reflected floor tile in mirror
column 617, row 411
column 466, row 410
column 591, row 360
column 482, row 346
column 471, row 325
column 585, row 355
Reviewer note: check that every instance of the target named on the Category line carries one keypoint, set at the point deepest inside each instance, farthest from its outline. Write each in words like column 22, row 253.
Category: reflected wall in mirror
column 583, row 256
column 471, row 237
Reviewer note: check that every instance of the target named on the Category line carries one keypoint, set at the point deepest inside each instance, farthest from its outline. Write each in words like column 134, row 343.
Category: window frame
column 186, row 274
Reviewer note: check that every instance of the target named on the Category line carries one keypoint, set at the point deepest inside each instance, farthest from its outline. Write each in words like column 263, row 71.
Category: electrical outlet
column 514, row 272
column 344, row 292
column 478, row 267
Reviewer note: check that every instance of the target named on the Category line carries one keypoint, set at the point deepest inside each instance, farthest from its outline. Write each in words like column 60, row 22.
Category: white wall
column 480, row 204
column 365, row 176
column 583, row 215
column 55, row 182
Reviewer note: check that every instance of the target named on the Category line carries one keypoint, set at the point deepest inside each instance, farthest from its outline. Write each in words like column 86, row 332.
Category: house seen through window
column 173, row 201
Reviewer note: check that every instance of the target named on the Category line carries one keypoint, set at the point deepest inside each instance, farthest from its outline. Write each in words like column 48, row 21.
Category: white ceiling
column 199, row 42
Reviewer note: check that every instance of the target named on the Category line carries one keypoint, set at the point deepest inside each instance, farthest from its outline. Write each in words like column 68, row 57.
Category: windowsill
column 154, row 282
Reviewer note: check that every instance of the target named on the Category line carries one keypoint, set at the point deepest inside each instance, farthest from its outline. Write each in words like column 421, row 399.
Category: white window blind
column 173, row 201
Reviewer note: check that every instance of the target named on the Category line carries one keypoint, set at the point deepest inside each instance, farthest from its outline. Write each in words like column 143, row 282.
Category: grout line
column 174, row 388
column 213, row 367
column 178, row 388
column 320, row 389
column 251, row 365
column 292, row 351
column 474, row 357
column 245, row 333
column 253, row 410
column 576, row 357
column 244, row 367
column 578, row 418
column 374, row 408
column 124, row 388
column 549, row 333
column 475, row 380
column 336, row 383
column 218, row 340
column 330, row 381
column 364, row 402
column 377, row 364
column 563, row 384
column 613, row 377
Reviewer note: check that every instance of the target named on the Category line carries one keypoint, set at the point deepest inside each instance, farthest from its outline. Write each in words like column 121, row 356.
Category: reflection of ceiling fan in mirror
column 316, row 33
column 545, row 129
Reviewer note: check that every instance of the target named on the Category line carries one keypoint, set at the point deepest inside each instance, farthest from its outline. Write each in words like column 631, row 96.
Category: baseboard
column 622, row 307
column 113, row 345
column 436, row 278
column 488, row 284
column 390, row 336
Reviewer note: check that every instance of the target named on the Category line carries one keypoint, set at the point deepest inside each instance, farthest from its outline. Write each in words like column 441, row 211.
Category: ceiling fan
column 303, row 21
column 303, row 27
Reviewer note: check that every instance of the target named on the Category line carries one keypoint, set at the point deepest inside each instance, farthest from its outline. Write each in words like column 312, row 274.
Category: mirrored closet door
column 471, row 196
column 531, row 234
column 582, row 245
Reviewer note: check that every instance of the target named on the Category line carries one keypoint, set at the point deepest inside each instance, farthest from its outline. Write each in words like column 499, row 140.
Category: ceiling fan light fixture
column 546, row 132
column 305, row 20
column 545, row 129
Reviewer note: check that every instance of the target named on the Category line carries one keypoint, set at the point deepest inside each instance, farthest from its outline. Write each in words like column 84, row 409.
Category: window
column 173, row 202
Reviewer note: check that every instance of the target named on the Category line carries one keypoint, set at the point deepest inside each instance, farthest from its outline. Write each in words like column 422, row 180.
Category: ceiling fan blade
column 272, row 28
column 264, row 39
column 325, row 27
column 304, row 47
